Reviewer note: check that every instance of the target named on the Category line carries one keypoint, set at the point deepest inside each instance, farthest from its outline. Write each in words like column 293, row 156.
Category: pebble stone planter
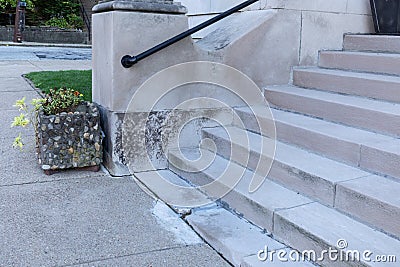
column 70, row 140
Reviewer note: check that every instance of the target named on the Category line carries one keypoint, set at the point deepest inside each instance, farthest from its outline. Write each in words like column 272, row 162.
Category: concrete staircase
column 336, row 174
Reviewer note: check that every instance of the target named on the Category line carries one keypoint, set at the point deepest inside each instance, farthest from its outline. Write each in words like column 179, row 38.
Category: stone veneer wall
column 45, row 35
column 323, row 22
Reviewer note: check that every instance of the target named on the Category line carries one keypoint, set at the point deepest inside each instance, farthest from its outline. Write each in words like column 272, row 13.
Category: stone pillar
column 131, row 27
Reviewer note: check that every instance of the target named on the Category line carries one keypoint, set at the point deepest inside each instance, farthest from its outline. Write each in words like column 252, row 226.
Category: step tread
column 303, row 160
column 175, row 196
column 253, row 261
column 230, row 235
column 347, row 100
column 330, row 226
column 352, row 74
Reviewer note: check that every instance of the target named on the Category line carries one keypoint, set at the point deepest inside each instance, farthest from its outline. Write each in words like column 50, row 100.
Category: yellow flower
column 18, row 142
column 21, row 104
column 20, row 121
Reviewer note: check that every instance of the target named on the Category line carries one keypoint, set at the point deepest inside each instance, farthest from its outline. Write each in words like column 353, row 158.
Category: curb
column 32, row 44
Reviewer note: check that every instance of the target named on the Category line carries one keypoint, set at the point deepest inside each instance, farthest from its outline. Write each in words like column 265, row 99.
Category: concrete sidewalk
column 80, row 218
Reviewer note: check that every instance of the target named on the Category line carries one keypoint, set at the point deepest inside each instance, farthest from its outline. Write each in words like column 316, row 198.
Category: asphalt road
column 44, row 53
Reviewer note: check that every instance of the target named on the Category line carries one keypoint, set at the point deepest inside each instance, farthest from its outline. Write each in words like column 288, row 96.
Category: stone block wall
column 45, row 35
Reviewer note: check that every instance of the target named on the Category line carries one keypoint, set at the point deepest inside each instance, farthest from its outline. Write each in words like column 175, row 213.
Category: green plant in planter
column 62, row 100
column 67, row 130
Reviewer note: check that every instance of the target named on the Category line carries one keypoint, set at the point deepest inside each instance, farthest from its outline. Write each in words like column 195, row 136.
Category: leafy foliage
column 58, row 13
column 28, row 115
column 62, row 100
column 57, row 101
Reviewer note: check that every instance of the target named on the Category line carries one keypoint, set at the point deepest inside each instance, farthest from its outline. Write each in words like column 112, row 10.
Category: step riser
column 387, row 64
column 381, row 162
column 354, row 154
column 377, row 89
column 319, row 228
column 372, row 43
column 252, row 211
column 292, row 178
column 349, row 115
column 357, row 155
column 331, row 147
column 374, row 212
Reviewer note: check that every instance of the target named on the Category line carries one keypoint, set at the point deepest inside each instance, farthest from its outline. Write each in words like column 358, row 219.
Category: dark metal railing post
column 86, row 18
column 128, row 61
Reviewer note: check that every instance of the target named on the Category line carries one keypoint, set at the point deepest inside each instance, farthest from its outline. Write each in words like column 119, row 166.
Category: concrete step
column 254, row 261
column 370, row 151
column 355, row 111
column 373, row 199
column 293, row 219
column 376, row 43
column 370, row 85
column 233, row 237
column 310, row 174
column 258, row 207
column 317, row 227
column 171, row 189
column 361, row 61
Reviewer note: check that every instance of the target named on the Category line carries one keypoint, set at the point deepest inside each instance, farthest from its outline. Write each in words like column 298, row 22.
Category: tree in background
column 57, row 13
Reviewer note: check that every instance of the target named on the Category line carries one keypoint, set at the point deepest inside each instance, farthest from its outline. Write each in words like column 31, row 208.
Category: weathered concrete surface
column 115, row 35
column 82, row 218
column 373, row 199
column 297, row 169
column 355, row 83
column 172, row 189
column 232, row 237
column 350, row 110
column 323, row 23
column 316, row 227
column 139, row 141
column 258, row 207
column 361, row 61
column 27, row 52
column 193, row 256
column 378, row 43
column 254, row 261
column 253, row 43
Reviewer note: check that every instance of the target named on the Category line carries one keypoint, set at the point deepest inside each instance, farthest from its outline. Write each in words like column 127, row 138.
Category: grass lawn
column 79, row 80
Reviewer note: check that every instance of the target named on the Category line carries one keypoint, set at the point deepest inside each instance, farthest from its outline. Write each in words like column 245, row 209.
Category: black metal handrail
column 86, row 18
column 128, row 61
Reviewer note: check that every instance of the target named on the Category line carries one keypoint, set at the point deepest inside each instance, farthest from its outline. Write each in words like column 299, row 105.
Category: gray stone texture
column 46, row 35
column 70, row 140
